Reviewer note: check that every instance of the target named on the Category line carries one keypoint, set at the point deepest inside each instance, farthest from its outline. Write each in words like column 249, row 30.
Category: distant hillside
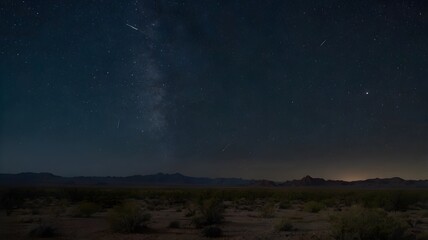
column 177, row 179
column 375, row 183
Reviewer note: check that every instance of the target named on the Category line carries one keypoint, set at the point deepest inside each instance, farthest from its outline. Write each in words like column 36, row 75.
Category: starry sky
column 253, row 89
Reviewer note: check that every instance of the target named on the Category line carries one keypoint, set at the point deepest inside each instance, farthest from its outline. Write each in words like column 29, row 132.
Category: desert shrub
column 12, row 199
column 174, row 224
column 104, row 197
column 390, row 200
column 27, row 219
column 330, row 202
column 128, row 218
column 284, row 225
column 284, row 205
column 422, row 236
column 268, row 210
column 198, row 221
column 313, row 206
column 398, row 201
column 368, row 224
column 190, row 213
column 156, row 204
column 44, row 230
column 211, row 211
column 86, row 209
column 59, row 208
column 413, row 222
column 212, row 232
column 35, row 211
column 190, row 210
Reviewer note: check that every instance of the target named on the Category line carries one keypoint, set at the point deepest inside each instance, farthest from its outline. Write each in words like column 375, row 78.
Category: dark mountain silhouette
column 376, row 183
column 48, row 179
column 177, row 179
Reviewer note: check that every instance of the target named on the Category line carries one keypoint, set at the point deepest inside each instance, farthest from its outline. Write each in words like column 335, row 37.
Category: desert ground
column 239, row 213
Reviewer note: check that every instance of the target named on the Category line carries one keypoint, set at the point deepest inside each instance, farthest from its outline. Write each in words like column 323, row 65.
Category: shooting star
column 136, row 29
column 323, row 43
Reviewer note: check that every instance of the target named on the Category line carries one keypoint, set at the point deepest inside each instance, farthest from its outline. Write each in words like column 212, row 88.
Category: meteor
column 136, row 29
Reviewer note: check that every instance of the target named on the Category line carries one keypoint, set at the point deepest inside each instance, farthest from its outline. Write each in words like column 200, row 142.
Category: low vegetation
column 389, row 200
column 211, row 211
column 174, row 224
column 268, row 210
column 387, row 214
column 364, row 224
column 86, row 209
column 43, row 230
column 128, row 217
column 284, row 224
column 212, row 232
column 284, row 204
column 313, row 206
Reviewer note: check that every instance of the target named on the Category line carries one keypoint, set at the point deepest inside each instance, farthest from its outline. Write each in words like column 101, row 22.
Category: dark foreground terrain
column 228, row 213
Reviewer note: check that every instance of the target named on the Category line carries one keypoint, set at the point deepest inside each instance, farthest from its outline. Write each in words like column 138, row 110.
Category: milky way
column 255, row 89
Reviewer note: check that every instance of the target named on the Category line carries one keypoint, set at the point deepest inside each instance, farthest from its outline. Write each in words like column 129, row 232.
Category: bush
column 423, row 236
column 190, row 212
column 284, row 205
column 13, row 199
column 199, row 221
column 44, row 230
column 313, row 207
column 86, row 209
column 212, row 232
column 59, row 208
column 331, row 202
column 174, row 224
column 268, row 210
column 284, row 225
column 390, row 200
column 30, row 220
column 128, row 218
column 368, row 224
column 211, row 212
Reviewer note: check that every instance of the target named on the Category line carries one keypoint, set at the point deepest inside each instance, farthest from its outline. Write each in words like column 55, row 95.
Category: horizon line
column 253, row 179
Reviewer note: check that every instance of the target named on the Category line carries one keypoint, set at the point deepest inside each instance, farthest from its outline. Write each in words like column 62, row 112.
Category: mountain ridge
column 178, row 179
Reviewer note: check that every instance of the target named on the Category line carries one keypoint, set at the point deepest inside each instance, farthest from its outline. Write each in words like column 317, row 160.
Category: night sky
column 253, row 89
